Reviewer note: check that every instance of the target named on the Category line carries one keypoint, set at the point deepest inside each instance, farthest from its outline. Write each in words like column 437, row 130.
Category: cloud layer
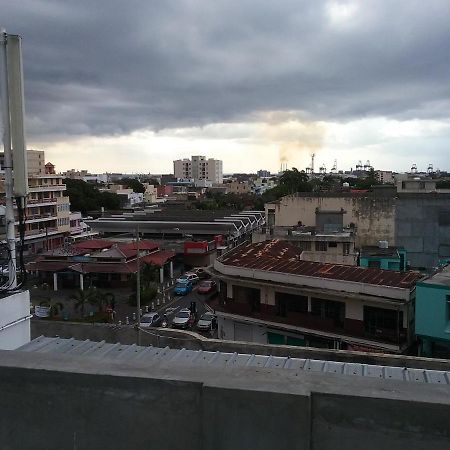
column 110, row 67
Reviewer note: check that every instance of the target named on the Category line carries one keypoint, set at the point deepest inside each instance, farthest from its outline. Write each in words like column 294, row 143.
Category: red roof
column 143, row 245
column 93, row 244
column 281, row 256
column 158, row 258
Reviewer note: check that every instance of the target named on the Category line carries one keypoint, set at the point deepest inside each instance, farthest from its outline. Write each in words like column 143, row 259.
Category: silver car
column 152, row 319
column 183, row 319
column 207, row 322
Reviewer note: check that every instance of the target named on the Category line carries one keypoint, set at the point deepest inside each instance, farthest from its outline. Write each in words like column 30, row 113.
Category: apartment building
column 199, row 168
column 269, row 295
column 47, row 209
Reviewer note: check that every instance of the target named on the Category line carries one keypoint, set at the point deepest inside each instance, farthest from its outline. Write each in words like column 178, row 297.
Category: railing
column 41, row 200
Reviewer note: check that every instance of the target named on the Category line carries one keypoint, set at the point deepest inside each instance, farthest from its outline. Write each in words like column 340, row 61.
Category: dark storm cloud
column 108, row 67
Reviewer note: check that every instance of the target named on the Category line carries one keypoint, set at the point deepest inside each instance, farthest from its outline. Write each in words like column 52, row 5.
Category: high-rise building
column 199, row 168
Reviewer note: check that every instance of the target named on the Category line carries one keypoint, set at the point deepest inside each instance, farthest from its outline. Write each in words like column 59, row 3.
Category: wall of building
column 422, row 227
column 418, row 222
column 14, row 320
column 432, row 312
column 374, row 216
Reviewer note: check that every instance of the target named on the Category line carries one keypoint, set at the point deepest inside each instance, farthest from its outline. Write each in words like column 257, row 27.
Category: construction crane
column 367, row 166
column 323, row 170
column 312, row 162
column 334, row 168
column 430, row 168
column 414, row 168
column 359, row 166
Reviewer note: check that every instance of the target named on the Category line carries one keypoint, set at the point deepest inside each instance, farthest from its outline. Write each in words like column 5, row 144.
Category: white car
column 192, row 277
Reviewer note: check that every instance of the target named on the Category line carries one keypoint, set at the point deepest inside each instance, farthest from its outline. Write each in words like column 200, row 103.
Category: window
column 346, row 249
column 329, row 309
column 321, row 246
column 382, row 322
column 290, row 303
column 332, row 244
column 374, row 264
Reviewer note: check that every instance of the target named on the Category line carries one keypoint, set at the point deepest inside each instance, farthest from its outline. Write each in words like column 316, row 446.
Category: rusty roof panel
column 281, row 256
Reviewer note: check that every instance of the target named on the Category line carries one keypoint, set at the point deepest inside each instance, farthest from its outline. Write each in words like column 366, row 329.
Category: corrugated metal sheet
column 188, row 358
column 281, row 256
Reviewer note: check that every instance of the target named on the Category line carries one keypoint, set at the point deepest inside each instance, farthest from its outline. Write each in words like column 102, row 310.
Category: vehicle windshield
column 183, row 282
column 183, row 315
column 146, row 319
column 207, row 316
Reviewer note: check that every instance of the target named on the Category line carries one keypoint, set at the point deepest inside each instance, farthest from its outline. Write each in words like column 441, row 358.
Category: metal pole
column 138, row 289
column 9, row 191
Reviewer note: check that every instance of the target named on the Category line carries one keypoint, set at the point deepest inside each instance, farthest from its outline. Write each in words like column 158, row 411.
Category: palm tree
column 83, row 298
column 149, row 274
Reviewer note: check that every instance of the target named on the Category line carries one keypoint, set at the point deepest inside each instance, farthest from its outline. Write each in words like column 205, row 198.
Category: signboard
column 42, row 311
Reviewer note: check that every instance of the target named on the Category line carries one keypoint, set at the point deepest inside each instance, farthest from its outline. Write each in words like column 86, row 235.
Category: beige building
column 36, row 162
column 199, row 168
column 238, row 187
column 47, row 207
column 373, row 216
column 151, row 193
column 385, row 176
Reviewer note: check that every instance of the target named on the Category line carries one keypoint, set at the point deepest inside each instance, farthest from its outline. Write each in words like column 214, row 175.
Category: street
column 184, row 301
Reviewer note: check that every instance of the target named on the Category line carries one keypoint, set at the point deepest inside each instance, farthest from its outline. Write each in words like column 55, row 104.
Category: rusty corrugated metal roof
column 281, row 256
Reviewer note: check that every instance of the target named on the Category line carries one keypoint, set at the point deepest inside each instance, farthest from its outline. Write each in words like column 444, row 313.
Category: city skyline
column 115, row 88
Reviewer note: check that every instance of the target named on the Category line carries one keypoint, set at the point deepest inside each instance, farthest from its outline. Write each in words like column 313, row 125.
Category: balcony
column 40, row 218
column 47, row 188
column 41, row 201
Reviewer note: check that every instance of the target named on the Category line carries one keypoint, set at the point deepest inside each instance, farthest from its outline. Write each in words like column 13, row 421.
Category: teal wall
column 431, row 311
column 386, row 262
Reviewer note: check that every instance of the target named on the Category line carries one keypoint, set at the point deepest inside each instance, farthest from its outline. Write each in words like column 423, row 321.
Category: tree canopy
column 86, row 197
column 133, row 183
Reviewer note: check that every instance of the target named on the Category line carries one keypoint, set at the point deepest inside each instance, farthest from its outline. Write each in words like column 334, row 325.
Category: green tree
column 149, row 274
column 133, row 183
column 295, row 181
column 367, row 182
column 86, row 197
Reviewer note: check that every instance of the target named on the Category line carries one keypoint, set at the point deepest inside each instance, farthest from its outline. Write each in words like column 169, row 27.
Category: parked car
column 200, row 272
column 183, row 287
column 183, row 319
column 207, row 287
column 207, row 321
column 152, row 319
column 192, row 277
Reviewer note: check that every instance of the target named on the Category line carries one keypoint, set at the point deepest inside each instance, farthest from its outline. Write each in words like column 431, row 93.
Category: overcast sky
column 131, row 85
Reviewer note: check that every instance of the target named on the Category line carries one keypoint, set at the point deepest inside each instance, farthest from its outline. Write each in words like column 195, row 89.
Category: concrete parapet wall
column 183, row 339
column 70, row 402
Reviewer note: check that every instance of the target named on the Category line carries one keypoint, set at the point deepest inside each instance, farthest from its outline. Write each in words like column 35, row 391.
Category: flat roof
column 440, row 277
column 282, row 257
column 373, row 250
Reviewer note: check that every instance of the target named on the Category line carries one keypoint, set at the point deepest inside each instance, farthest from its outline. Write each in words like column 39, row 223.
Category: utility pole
column 9, row 189
column 138, row 289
